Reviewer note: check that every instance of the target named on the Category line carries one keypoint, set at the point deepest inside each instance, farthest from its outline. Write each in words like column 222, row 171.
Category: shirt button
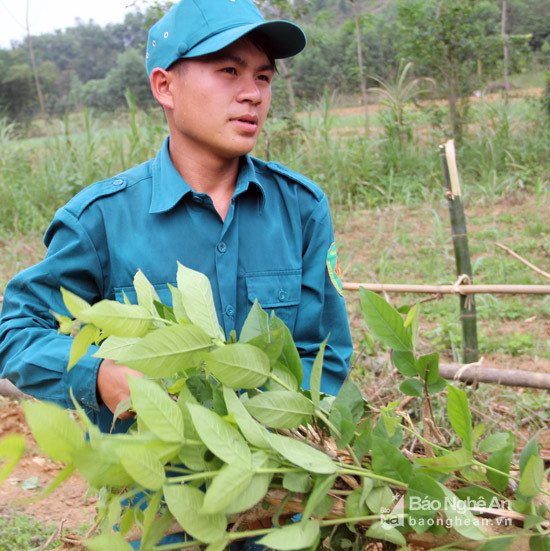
column 222, row 247
column 118, row 182
column 197, row 198
column 229, row 310
column 282, row 295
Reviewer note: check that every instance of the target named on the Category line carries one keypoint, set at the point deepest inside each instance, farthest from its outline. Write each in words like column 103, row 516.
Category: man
column 257, row 230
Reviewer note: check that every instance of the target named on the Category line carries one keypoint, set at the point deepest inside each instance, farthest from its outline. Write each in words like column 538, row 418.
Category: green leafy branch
column 244, row 442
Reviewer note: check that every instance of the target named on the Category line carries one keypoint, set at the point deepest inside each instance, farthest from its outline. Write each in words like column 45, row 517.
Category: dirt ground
column 68, row 504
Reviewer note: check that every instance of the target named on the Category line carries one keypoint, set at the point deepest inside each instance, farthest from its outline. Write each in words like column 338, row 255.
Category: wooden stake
column 462, row 251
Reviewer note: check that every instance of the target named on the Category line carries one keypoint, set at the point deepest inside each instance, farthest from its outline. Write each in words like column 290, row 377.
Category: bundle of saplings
column 225, row 436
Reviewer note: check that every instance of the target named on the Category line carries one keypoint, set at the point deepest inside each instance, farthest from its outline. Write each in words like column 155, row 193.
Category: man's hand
column 112, row 385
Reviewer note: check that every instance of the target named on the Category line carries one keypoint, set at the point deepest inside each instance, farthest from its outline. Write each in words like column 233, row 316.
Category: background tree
column 446, row 39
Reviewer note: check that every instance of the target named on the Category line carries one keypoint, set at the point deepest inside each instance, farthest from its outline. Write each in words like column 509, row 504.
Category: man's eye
column 230, row 70
column 267, row 78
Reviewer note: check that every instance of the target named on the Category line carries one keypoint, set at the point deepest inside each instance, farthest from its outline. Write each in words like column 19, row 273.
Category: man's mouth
column 248, row 119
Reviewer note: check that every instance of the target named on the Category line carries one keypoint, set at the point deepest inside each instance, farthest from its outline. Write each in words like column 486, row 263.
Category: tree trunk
column 289, row 86
column 36, row 79
column 362, row 78
column 505, row 50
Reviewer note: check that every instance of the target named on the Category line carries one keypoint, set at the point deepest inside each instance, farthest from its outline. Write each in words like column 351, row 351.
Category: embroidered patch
column 333, row 267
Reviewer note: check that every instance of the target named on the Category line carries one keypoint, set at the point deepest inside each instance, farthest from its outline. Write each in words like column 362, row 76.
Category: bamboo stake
column 508, row 377
column 450, row 289
column 521, row 259
column 462, row 252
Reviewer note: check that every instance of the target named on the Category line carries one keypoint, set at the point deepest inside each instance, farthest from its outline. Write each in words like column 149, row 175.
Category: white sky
column 48, row 15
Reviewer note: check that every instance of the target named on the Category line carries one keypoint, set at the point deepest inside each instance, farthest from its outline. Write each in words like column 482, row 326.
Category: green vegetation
column 360, row 472
column 24, row 532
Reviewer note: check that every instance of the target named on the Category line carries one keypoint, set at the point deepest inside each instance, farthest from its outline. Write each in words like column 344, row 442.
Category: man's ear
column 160, row 86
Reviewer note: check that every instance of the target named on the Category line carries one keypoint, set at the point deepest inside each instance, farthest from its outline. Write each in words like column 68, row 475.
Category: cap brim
column 285, row 39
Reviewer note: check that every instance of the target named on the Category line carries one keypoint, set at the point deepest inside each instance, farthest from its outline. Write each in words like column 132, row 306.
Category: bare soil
column 69, row 504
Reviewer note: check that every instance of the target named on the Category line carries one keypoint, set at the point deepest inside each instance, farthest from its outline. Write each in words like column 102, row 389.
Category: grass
column 23, row 532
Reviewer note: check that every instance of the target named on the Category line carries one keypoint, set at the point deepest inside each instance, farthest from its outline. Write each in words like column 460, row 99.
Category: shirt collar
column 169, row 187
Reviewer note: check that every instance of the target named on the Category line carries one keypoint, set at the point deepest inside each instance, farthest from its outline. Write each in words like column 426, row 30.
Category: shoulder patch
column 333, row 267
column 296, row 177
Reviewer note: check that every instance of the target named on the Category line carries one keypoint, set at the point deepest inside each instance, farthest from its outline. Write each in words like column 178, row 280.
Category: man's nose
column 250, row 90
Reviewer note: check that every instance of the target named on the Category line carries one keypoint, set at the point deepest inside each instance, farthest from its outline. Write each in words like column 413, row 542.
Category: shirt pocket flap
column 162, row 290
column 275, row 289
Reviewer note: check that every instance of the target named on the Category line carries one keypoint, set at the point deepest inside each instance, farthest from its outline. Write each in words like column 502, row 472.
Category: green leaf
column 282, row 373
column 115, row 348
column 350, row 396
column 121, row 320
column 383, row 532
column 113, row 541
column 315, row 376
column 255, row 433
column 412, row 321
column 412, row 387
column 494, row 442
column 238, row 365
column 219, row 436
column 424, row 499
column 146, row 293
column 320, row 489
column 100, row 465
column 55, row 431
column 459, row 415
column 302, row 455
column 530, row 450
column 255, row 324
column 354, row 506
column 460, row 518
column 84, row 338
column 384, row 322
column 298, row 535
column 453, row 461
column 76, row 306
column 539, row 543
column 500, row 544
column 297, row 482
column 428, row 367
column 531, row 479
column 66, row 324
column 388, row 461
column 185, row 503
column 156, row 409
column 404, row 362
column 379, row 498
column 501, row 461
column 437, row 386
column 143, row 466
column 12, row 448
column 226, row 487
column 280, row 408
column 198, row 301
column 167, row 350
column 258, row 486
column 217, row 545
column 290, row 356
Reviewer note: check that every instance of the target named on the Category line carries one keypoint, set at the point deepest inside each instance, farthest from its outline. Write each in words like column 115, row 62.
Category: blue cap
column 192, row 28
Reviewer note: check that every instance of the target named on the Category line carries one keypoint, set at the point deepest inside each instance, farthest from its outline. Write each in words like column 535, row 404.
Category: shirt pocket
column 279, row 291
column 162, row 290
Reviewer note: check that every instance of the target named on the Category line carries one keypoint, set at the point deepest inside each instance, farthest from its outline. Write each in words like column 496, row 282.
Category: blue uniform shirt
column 272, row 247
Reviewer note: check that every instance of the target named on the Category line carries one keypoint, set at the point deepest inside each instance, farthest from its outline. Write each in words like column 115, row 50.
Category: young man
column 257, row 230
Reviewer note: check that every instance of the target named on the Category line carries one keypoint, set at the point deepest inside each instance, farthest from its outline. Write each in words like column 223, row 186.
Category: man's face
column 221, row 101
